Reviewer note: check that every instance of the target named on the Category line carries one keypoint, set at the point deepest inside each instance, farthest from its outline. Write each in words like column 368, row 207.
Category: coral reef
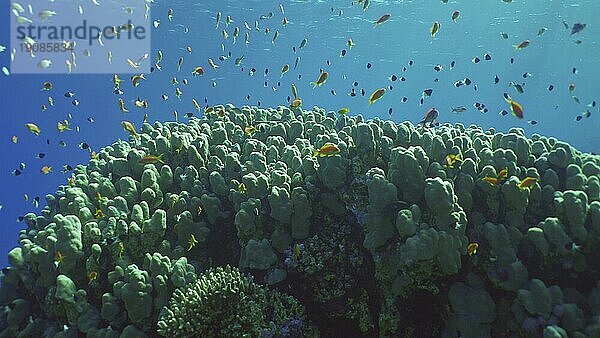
column 388, row 236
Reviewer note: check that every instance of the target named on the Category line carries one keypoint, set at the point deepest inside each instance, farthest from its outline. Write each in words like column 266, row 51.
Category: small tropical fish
column 212, row 64
column 59, row 257
column 198, row 71
column 47, row 85
column 491, row 180
column 296, row 103
column 46, row 170
column 455, row 16
column 192, row 242
column 515, row 108
column 297, row 251
column 577, row 27
column 571, row 87
column 14, row 139
column 116, row 81
column 249, row 130
column 63, row 126
column 451, row 159
column 502, row 174
column 472, row 248
column 242, row 188
column 435, row 28
column 294, row 91
column 430, row 117
column 459, row 109
column 121, row 249
column 141, row 103
column 376, row 95
column 199, row 211
column 284, row 69
column 99, row 214
column 275, row 37
column 542, row 31
column 33, row 128
column 92, row 276
column 135, row 80
column 321, row 80
column 328, row 149
column 522, row 45
column 122, row 105
column 527, row 182
column 238, row 61
column 151, row 159
column 343, row 111
column 382, row 19
column 350, row 43
column 518, row 87
column 130, row 128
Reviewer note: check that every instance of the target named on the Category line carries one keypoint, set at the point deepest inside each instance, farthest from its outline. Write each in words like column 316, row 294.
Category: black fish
column 577, row 27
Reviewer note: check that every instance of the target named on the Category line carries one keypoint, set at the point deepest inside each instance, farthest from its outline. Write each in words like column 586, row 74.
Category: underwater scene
column 305, row 168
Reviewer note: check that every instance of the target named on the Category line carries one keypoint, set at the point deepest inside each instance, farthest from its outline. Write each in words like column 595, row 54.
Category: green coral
column 224, row 303
column 383, row 227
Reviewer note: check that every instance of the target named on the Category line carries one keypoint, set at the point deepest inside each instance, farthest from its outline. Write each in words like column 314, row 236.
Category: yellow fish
column 249, row 130
column 451, row 159
column 46, row 170
column 343, row 111
column 33, row 128
column 503, row 174
column 192, row 242
column 328, row 149
column 527, row 182
column 58, row 257
column 491, row 180
column 296, row 103
column 92, row 276
column 135, row 80
column 151, row 159
column 472, row 248
column 63, row 125
column 121, row 249
column 129, row 127
column 122, row 106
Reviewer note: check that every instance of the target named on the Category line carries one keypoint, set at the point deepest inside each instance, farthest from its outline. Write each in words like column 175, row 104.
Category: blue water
column 389, row 47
